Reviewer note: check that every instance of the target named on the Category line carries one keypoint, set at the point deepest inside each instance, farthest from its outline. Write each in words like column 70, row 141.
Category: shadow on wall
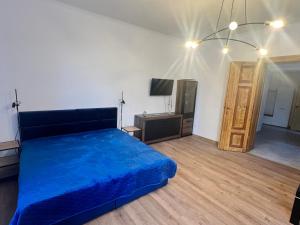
column 8, row 116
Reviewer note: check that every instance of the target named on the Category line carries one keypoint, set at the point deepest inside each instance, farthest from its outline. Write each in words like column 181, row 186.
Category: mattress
column 65, row 176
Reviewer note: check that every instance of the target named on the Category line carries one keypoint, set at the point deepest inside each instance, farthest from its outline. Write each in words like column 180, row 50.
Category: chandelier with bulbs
column 233, row 25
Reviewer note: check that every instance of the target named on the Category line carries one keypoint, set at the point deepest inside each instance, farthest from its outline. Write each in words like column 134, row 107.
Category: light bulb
column 263, row 52
column 225, row 50
column 191, row 44
column 233, row 25
column 277, row 24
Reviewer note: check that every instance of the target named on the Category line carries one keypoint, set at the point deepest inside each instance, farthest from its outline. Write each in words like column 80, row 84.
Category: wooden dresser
column 158, row 127
column 9, row 163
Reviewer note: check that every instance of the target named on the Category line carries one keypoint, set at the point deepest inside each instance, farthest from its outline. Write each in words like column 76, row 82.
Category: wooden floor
column 212, row 187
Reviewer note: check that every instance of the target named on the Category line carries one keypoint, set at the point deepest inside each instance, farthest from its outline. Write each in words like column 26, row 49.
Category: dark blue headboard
column 37, row 124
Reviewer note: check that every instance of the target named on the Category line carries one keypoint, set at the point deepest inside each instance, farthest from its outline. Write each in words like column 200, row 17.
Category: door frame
column 284, row 59
column 266, row 61
column 258, row 99
column 296, row 93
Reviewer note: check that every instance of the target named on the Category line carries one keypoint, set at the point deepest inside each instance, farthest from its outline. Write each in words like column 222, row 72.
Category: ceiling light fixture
column 277, row 24
column 263, row 51
column 225, row 50
column 192, row 44
column 233, row 25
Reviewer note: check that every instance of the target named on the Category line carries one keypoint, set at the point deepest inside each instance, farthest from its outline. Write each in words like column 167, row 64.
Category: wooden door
column 295, row 113
column 241, row 108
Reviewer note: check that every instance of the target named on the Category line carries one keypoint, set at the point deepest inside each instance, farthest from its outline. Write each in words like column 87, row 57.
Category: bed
column 75, row 165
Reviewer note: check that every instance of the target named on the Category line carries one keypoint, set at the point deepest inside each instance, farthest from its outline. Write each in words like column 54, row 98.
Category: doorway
column 278, row 129
column 242, row 109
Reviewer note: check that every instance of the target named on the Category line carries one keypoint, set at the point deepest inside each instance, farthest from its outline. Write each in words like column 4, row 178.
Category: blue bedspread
column 61, row 176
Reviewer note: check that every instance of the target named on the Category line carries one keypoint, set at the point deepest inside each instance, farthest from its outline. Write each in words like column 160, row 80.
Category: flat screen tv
column 161, row 87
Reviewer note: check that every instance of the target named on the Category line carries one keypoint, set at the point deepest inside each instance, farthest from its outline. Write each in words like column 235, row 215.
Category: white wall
column 283, row 102
column 62, row 57
column 285, row 81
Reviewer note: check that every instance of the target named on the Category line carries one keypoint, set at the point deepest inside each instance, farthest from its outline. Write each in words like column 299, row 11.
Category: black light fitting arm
column 230, row 39
column 227, row 28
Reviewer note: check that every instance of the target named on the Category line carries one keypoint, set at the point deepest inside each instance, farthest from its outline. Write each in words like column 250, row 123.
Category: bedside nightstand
column 133, row 130
column 9, row 164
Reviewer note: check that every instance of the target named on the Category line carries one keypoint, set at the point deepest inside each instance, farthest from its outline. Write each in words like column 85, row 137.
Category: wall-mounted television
column 161, row 87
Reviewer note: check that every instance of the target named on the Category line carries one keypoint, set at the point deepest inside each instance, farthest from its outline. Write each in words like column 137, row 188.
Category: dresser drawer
column 187, row 122
column 9, row 171
column 187, row 126
column 187, row 131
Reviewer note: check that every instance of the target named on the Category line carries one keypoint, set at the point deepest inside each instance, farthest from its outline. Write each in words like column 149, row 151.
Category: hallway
column 278, row 145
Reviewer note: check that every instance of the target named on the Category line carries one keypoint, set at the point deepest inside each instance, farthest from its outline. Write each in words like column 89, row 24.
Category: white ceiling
column 187, row 18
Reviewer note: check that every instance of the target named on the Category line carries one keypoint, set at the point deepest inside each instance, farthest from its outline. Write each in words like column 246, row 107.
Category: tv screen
column 161, row 87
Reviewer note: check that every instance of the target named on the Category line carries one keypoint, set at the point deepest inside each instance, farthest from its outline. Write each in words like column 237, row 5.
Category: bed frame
column 84, row 217
column 37, row 124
